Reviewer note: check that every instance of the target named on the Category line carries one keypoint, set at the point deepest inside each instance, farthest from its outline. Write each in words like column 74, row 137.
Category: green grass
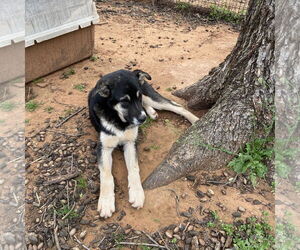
column 253, row 235
column 218, row 13
column 80, row 87
column 27, row 121
column 251, row 160
column 81, row 182
column 286, row 234
column 63, row 211
column 68, row 73
column 182, row 6
column 149, row 121
column 32, row 105
column 169, row 89
column 154, row 147
column 49, row 109
column 93, row 58
column 215, row 215
column 38, row 80
column 7, row 106
column 2, row 121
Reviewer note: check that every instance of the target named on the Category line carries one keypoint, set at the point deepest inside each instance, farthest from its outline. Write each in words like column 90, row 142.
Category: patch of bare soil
column 62, row 175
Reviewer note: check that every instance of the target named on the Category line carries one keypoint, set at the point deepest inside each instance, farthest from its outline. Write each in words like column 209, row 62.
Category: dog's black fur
column 117, row 106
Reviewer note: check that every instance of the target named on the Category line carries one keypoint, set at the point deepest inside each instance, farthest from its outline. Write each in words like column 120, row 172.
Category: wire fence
column 235, row 6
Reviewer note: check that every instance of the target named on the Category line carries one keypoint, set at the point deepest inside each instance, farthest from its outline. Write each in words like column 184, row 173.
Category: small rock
column 190, row 177
column 195, row 243
column 169, row 234
column 177, row 236
column 223, row 192
column 202, row 242
column 32, row 237
column 236, row 214
column 82, row 235
column 72, row 232
column 210, row 192
column 241, row 209
column 256, row 202
column 176, row 230
column 186, row 214
column 228, row 241
column 40, row 246
column 190, row 228
column 204, row 199
column 9, row 238
column 200, row 194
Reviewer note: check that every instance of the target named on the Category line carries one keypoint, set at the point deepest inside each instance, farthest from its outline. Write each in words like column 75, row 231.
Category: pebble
column 190, row 228
column 200, row 194
column 176, row 230
column 1, row 181
column 195, row 243
column 204, row 199
column 18, row 245
column 32, row 237
column 40, row 246
column 169, row 234
column 241, row 209
column 236, row 214
column 72, row 232
column 75, row 248
column 202, row 242
column 256, row 202
column 209, row 191
column 223, row 192
column 9, row 238
column 177, row 236
column 82, row 235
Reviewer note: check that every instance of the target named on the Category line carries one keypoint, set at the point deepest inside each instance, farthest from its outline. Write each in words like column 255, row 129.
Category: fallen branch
column 141, row 244
column 55, row 233
column 69, row 117
column 62, row 178
column 80, row 243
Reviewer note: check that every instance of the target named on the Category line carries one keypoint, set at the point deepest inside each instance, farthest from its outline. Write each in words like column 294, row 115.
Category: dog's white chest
column 121, row 137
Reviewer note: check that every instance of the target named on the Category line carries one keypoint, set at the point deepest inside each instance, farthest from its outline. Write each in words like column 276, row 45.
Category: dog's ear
column 103, row 89
column 141, row 75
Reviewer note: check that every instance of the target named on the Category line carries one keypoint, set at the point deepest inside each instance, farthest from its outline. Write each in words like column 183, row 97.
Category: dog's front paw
column 136, row 197
column 106, row 206
column 152, row 113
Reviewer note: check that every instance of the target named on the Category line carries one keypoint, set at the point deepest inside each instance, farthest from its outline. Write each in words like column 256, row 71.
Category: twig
column 101, row 23
column 38, row 159
column 69, row 105
column 68, row 213
column 61, row 133
column 150, row 238
column 222, row 183
column 55, row 233
column 62, row 178
column 187, row 225
column 15, row 159
column 69, row 117
column 166, row 246
column 141, row 244
column 80, row 243
column 176, row 201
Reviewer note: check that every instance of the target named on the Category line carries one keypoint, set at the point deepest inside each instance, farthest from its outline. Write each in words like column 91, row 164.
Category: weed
column 252, row 159
column 154, row 147
column 215, row 215
column 174, row 241
column 81, row 182
column 49, row 109
column 228, row 228
column 147, row 124
column 210, row 224
column 7, row 106
column 169, row 89
column 27, row 121
column 63, row 211
column 32, row 105
column 183, row 6
column 38, row 80
column 221, row 13
column 68, row 73
column 93, row 58
column 81, row 87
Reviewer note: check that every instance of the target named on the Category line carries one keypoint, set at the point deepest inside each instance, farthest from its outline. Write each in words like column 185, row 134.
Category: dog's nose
column 142, row 118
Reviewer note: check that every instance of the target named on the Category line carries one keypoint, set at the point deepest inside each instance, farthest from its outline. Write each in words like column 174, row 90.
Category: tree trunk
column 240, row 92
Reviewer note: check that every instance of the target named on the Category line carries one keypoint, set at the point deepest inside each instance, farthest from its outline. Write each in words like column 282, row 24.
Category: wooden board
column 57, row 53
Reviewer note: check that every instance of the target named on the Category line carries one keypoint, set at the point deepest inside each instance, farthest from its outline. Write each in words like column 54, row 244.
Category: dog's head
column 122, row 90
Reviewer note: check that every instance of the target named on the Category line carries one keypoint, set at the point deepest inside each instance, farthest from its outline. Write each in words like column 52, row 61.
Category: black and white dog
column 118, row 104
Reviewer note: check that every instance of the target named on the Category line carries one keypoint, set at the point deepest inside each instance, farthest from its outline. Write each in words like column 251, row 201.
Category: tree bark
column 241, row 93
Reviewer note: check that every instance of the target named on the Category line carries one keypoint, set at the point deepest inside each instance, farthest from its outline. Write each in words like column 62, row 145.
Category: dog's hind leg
column 154, row 100
column 136, row 192
column 106, row 202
